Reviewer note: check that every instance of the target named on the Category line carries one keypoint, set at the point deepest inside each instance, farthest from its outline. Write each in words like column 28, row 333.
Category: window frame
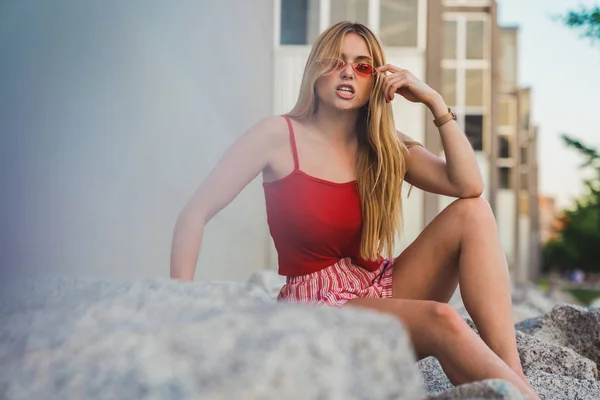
column 374, row 24
column 461, row 64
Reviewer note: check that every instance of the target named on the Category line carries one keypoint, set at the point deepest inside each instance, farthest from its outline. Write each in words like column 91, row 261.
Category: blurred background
column 112, row 113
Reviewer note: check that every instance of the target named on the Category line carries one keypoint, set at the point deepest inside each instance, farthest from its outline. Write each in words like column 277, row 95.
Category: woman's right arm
column 240, row 164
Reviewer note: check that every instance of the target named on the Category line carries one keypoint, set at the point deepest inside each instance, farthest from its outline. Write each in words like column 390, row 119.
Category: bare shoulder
column 272, row 131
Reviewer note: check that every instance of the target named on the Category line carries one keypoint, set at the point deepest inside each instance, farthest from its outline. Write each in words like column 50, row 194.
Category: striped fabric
column 337, row 284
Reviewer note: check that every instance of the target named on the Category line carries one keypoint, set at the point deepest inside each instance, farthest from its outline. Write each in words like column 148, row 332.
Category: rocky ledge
column 67, row 338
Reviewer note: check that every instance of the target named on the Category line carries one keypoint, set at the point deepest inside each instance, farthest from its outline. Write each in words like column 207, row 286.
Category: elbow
column 473, row 190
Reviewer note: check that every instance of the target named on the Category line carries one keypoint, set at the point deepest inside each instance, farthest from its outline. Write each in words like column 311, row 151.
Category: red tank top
column 313, row 222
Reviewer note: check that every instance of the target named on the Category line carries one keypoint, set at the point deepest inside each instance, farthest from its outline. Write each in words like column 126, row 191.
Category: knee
column 473, row 209
column 445, row 321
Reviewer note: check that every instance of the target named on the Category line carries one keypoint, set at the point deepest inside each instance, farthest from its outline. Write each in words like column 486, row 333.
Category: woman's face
column 344, row 88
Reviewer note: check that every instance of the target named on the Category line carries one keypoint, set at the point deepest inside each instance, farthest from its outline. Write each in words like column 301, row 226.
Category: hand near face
column 404, row 83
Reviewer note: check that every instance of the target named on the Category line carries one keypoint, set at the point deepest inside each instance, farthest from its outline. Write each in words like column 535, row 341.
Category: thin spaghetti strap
column 292, row 142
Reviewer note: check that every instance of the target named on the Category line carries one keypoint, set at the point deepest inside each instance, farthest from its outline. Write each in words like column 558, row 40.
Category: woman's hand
column 404, row 83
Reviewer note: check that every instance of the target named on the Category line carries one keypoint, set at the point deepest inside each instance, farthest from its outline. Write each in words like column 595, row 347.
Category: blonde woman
column 333, row 169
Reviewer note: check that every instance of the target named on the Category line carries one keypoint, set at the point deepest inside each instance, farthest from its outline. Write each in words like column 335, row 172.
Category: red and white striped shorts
column 338, row 283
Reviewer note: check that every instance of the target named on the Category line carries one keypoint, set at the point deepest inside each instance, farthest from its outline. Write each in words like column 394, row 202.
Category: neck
column 339, row 126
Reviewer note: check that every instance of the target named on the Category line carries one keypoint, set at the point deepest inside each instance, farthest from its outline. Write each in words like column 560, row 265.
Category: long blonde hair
column 382, row 156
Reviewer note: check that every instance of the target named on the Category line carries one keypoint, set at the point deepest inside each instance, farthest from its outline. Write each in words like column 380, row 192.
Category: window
column 449, row 86
column 504, row 146
column 508, row 56
column 524, row 155
column 474, row 130
column 398, row 22
column 524, row 181
column 525, row 122
column 475, row 36
column 350, row 10
column 465, row 68
column 299, row 22
column 505, row 175
column 450, row 40
column 525, row 105
column 474, row 89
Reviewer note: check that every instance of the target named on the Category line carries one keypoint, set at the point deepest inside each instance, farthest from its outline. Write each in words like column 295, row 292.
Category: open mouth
column 345, row 91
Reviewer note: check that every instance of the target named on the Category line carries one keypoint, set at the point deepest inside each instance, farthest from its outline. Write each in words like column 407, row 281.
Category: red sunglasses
column 333, row 63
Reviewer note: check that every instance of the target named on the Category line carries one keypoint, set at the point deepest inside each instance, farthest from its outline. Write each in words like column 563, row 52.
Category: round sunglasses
column 333, row 63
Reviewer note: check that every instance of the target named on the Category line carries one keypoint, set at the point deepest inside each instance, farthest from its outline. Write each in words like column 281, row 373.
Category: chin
column 346, row 105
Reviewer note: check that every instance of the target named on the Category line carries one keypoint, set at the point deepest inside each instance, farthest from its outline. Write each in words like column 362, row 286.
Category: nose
column 347, row 71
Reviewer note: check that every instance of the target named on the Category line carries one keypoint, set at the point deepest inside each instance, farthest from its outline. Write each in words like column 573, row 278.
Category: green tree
column 578, row 241
column 586, row 20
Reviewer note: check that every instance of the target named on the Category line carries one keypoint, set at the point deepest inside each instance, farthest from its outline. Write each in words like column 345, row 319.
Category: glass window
column 474, row 130
column 474, row 90
column 449, row 86
column 350, row 10
column 398, row 22
column 299, row 22
column 504, row 146
column 524, row 181
column 450, row 40
column 525, row 122
column 505, row 173
column 475, row 40
column 508, row 56
column 504, row 105
column 525, row 104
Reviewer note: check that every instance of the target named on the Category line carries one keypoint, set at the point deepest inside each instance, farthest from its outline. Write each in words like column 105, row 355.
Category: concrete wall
column 112, row 113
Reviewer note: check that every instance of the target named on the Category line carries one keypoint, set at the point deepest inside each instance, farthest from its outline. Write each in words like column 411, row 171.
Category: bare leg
column 437, row 329
column 461, row 245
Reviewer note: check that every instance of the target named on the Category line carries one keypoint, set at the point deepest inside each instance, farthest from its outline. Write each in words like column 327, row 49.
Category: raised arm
column 458, row 175
column 240, row 164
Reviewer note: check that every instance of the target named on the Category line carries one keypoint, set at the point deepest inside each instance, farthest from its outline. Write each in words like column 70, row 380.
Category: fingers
column 393, row 84
column 388, row 68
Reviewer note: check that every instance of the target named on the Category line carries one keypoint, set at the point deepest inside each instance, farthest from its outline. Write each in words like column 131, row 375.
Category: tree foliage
column 578, row 241
column 585, row 20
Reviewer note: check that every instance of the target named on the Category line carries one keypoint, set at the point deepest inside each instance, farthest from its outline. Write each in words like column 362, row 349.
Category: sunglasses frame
column 341, row 64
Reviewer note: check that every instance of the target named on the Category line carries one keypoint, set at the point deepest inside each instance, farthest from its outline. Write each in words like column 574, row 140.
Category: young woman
column 333, row 170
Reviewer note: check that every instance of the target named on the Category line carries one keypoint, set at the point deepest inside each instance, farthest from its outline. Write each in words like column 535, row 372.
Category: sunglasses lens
column 364, row 68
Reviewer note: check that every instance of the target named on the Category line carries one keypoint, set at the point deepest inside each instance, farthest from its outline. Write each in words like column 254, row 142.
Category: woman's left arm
column 458, row 175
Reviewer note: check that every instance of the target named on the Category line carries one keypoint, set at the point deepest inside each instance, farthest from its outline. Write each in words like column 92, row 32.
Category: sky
column 563, row 70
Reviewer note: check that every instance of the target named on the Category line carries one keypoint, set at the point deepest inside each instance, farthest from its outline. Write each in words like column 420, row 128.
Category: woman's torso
column 313, row 205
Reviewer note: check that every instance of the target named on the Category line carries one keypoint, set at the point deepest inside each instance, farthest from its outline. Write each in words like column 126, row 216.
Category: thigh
column 428, row 268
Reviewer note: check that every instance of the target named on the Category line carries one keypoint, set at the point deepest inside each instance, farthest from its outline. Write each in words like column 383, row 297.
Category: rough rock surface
column 554, row 359
column 161, row 339
column 488, row 389
column 573, row 327
column 558, row 362
column 171, row 340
